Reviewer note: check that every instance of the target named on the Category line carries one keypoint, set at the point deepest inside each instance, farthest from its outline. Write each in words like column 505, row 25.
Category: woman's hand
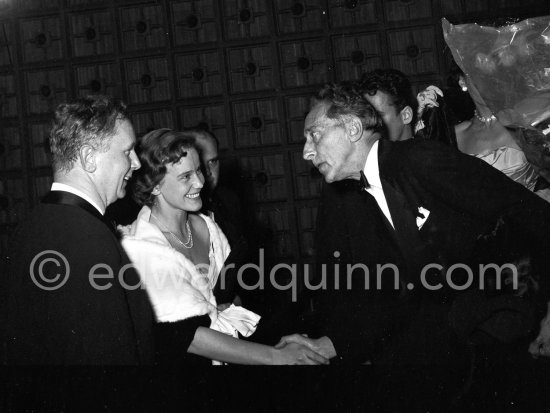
column 293, row 353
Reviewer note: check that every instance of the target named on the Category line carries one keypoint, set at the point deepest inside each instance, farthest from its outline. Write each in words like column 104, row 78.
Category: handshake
column 302, row 350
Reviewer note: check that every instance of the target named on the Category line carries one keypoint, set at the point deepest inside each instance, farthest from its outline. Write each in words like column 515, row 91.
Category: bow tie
column 364, row 183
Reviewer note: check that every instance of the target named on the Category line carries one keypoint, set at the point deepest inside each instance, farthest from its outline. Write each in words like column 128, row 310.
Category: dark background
column 244, row 68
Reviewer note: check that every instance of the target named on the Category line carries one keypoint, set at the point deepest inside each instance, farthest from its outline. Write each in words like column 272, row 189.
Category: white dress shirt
column 56, row 186
column 372, row 174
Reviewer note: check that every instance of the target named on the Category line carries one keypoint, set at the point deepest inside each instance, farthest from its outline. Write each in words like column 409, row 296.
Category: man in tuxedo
column 72, row 297
column 420, row 203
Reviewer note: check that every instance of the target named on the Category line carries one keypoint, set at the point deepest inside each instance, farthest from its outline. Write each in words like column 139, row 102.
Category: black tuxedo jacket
column 465, row 198
column 76, row 323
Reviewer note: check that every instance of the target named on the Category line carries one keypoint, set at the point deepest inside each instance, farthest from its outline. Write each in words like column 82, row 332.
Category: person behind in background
column 224, row 207
column 70, row 289
column 179, row 253
column 389, row 91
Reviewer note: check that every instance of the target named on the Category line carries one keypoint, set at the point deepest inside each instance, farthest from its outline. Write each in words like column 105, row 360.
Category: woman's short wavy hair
column 156, row 149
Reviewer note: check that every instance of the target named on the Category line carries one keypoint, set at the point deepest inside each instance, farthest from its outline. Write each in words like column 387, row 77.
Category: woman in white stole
column 179, row 254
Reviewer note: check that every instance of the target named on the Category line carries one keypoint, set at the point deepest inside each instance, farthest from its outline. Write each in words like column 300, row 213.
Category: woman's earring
column 464, row 88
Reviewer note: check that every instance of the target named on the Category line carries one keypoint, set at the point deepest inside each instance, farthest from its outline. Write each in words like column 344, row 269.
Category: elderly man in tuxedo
column 72, row 297
column 417, row 205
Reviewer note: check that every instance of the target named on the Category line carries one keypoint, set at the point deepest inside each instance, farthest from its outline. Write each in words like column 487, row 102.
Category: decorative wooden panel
column 152, row 119
column 211, row 117
column 143, row 27
column 43, row 5
column 7, row 43
column 307, row 179
column 8, row 96
column 41, row 186
column 13, row 200
column 194, row 21
column 42, row 39
column 281, row 239
column 304, row 63
column 40, row 148
column 354, row 55
column 147, row 80
column 264, row 177
column 245, row 19
column 199, row 74
column 346, row 13
column 11, row 150
column 84, row 3
column 102, row 78
column 300, row 16
column 464, row 6
column 407, row 10
column 250, row 68
column 413, row 51
column 307, row 220
column 256, row 123
column 296, row 110
column 45, row 90
column 521, row 6
column 92, row 33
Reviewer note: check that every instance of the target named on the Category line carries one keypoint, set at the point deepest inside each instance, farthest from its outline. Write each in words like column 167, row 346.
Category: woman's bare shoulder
column 462, row 126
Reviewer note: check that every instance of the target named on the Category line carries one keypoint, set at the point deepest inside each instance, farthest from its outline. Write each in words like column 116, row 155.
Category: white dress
column 514, row 164
column 176, row 287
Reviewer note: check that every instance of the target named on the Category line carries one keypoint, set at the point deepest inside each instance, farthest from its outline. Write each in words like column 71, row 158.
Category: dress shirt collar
column 56, row 186
column 371, row 170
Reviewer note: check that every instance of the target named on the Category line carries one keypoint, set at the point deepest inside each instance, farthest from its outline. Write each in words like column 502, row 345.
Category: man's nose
column 309, row 151
column 134, row 161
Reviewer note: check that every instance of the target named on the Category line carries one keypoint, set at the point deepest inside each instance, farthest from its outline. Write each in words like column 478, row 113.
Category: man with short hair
column 73, row 297
column 391, row 94
column 419, row 203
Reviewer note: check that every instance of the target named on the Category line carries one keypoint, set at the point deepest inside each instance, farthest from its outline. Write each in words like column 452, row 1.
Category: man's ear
column 87, row 158
column 406, row 115
column 354, row 128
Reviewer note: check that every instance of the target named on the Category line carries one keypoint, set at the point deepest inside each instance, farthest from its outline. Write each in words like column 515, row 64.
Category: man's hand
column 322, row 345
column 541, row 345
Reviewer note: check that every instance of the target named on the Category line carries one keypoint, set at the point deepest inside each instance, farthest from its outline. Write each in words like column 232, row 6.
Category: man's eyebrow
column 312, row 127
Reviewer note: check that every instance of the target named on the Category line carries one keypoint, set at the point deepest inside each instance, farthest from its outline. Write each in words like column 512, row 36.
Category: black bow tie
column 364, row 183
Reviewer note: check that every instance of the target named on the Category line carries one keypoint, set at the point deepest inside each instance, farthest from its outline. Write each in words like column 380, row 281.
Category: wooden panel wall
column 245, row 68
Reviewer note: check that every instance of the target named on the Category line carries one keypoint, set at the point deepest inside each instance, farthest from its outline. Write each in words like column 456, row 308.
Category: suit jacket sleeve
column 358, row 320
column 473, row 187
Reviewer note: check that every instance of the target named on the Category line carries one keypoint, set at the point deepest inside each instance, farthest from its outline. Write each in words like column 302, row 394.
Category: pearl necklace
column 483, row 119
column 189, row 243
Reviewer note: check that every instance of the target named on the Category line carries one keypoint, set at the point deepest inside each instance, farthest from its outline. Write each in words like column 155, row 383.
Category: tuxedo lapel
column 402, row 209
column 68, row 198
column 136, row 298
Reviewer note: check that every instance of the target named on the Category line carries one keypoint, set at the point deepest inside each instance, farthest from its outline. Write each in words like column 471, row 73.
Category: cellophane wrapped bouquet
column 510, row 66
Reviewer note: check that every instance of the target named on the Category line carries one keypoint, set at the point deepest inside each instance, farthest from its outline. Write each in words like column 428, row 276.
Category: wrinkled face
column 391, row 116
column 327, row 145
column 210, row 161
column 115, row 166
column 181, row 186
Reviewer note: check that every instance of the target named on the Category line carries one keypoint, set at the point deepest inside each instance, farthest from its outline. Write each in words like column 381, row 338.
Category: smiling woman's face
column 181, row 186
